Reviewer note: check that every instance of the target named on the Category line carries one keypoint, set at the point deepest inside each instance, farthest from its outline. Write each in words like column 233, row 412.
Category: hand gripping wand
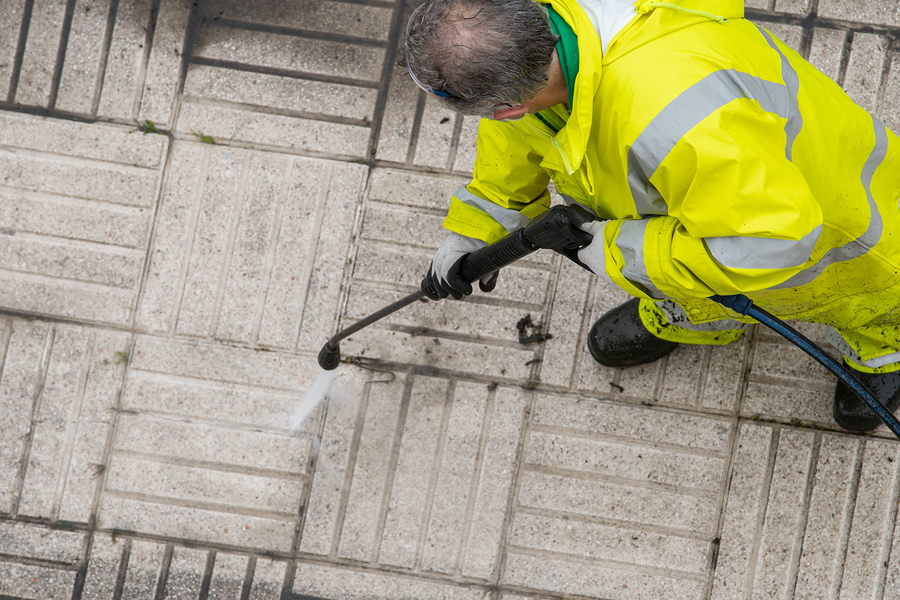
column 557, row 229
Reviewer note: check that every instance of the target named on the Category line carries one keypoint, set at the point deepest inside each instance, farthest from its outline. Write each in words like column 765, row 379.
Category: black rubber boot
column 619, row 339
column 852, row 413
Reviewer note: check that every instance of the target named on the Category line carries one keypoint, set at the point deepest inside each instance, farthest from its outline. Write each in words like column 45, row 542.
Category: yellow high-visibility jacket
column 725, row 162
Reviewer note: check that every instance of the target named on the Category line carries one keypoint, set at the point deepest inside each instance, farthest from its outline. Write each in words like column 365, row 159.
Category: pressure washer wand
column 556, row 229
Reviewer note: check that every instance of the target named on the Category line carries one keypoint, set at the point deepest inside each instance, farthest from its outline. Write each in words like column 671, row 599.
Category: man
column 717, row 160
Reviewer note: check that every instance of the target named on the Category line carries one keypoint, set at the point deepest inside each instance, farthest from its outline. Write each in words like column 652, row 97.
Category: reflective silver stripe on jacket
column 865, row 242
column 630, row 242
column 792, row 84
column 683, row 114
column 507, row 217
column 740, row 252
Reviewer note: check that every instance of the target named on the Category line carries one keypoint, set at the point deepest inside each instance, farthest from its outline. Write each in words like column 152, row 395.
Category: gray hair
column 485, row 53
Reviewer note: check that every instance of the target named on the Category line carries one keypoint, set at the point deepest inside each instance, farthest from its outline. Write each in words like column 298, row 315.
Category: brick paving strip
column 194, row 196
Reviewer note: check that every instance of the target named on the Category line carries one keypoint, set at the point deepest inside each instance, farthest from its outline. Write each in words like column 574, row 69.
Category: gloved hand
column 594, row 254
column 444, row 279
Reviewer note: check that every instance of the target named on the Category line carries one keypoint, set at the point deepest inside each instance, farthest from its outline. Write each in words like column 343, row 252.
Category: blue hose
column 744, row 305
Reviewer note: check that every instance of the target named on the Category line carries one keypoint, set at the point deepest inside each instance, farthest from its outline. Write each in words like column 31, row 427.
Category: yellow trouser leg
column 666, row 320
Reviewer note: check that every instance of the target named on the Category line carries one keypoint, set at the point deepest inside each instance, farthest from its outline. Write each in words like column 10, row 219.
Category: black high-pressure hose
column 557, row 229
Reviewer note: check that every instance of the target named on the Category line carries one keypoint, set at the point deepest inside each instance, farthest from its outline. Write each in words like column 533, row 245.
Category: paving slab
column 163, row 296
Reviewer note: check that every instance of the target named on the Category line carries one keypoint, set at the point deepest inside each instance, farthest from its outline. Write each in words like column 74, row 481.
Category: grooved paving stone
column 871, row 531
column 437, row 130
column 419, row 190
column 797, row 7
column 143, row 573
column 864, row 71
column 88, row 269
column 72, row 423
column 439, row 506
column 229, row 125
column 825, row 52
column 468, row 143
column 103, row 567
column 356, row 20
column 617, row 502
column 164, row 63
column 24, row 344
column 883, row 12
column 244, row 250
column 11, row 16
column 567, row 324
column 890, row 112
column 397, row 125
column 268, row 579
column 34, row 582
column 40, row 543
column 229, row 43
column 185, row 573
column 84, row 51
column 183, row 466
column 808, row 515
column 41, row 47
column 228, row 576
column 320, row 581
column 829, row 504
column 126, row 58
column 284, row 93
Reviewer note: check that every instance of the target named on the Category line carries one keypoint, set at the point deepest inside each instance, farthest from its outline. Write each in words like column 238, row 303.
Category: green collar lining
column 566, row 49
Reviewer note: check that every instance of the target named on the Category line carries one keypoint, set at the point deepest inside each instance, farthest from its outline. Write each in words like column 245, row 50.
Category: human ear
column 510, row 112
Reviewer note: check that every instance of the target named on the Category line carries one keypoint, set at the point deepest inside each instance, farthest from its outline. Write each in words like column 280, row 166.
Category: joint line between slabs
column 387, row 71
column 141, row 79
column 762, row 507
column 104, row 56
column 631, row 526
column 800, row 535
column 272, row 251
column 890, row 528
column 285, row 73
column 346, row 485
column 608, row 562
column 438, row 457
column 477, row 473
column 310, row 263
column 725, row 490
column 72, row 426
column 36, row 402
column 174, row 460
column 187, row 250
column 847, row 522
column 216, row 507
column 223, row 277
column 61, row 55
column 618, row 481
column 164, row 572
column 24, row 27
column 399, row 428
column 296, row 32
column 613, row 439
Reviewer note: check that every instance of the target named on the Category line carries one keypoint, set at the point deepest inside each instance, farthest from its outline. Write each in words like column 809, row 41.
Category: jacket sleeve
column 508, row 186
column 741, row 216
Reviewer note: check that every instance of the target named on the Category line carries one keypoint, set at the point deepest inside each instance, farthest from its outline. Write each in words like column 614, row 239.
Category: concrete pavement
column 195, row 196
